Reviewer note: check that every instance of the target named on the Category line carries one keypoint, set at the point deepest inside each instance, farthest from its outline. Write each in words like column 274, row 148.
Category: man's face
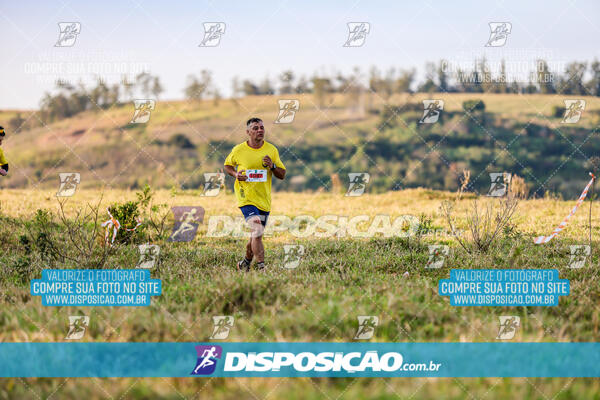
column 256, row 131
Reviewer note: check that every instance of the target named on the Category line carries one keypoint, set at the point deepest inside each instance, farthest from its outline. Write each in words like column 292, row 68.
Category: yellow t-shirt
column 2, row 158
column 244, row 157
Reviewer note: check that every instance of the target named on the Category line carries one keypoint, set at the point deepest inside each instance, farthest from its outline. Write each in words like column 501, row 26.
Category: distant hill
column 521, row 134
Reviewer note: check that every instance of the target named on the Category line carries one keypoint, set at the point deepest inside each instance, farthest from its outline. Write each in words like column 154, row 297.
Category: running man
column 246, row 163
column 206, row 361
column 3, row 161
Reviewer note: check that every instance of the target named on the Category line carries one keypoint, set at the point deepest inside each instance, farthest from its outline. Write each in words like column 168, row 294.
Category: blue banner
column 300, row 359
column 95, row 287
column 504, row 287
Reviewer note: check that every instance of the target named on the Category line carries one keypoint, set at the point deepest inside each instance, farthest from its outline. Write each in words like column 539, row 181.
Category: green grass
column 319, row 301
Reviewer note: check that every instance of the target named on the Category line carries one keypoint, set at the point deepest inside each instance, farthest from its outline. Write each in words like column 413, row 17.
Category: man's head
column 255, row 129
column 1, row 134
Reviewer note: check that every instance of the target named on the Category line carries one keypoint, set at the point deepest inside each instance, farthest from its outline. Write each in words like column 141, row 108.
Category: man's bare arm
column 236, row 174
column 279, row 172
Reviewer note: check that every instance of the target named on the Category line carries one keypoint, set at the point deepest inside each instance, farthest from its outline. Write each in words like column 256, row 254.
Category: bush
column 558, row 111
column 127, row 214
column 181, row 141
column 473, row 105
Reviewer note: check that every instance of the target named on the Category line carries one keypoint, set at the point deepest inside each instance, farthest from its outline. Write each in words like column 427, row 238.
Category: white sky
column 267, row 38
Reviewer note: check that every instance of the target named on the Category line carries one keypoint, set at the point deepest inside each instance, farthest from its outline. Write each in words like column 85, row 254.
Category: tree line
column 578, row 78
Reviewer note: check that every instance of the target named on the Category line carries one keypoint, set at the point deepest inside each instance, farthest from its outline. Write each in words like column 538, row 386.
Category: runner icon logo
column 213, row 182
column 68, row 183
column 500, row 182
column 208, row 357
column 508, row 327
column 293, row 255
column 358, row 183
column 499, row 32
column 579, row 255
column 431, row 111
column 77, row 326
column 143, row 108
column 573, row 111
column 68, row 34
column 287, row 111
column 437, row 255
column 148, row 255
column 212, row 34
column 223, row 324
column 366, row 327
column 357, row 33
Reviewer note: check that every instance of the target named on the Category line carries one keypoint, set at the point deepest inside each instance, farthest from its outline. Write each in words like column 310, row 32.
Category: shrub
column 473, row 105
column 558, row 111
column 127, row 214
column 182, row 141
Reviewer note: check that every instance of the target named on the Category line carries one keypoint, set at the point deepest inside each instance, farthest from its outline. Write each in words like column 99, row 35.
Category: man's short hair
column 253, row 120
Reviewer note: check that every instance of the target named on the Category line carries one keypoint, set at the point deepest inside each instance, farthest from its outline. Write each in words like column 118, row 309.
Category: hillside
column 334, row 139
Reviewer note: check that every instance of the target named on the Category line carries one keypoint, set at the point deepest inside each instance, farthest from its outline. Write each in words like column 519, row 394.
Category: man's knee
column 256, row 227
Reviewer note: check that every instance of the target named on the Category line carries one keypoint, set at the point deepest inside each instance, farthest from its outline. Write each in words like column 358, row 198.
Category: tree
column 286, row 78
column 196, row 88
column 236, row 89
column 405, row 80
column 501, row 82
column 266, row 87
column 302, row 86
column 144, row 81
column 127, row 88
column 157, row 88
column 545, row 78
column 572, row 81
column 442, row 76
column 16, row 123
column 113, row 95
column 594, row 83
column 249, row 88
column 429, row 85
column 487, row 84
column 321, row 87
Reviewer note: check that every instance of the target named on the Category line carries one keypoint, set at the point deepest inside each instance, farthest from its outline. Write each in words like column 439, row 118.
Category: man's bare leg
column 249, row 253
column 256, row 241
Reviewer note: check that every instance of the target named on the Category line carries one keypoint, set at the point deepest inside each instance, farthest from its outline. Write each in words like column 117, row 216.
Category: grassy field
column 337, row 280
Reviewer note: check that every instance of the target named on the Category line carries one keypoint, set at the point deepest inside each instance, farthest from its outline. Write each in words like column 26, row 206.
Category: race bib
column 256, row 175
